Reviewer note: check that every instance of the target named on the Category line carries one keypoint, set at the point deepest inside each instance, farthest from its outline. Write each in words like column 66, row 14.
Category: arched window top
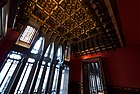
column 15, row 56
column 59, row 51
column 37, row 46
column 50, row 50
column 47, row 51
column 59, row 54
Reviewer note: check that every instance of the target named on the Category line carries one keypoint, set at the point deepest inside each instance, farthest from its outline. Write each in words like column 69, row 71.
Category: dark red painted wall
column 6, row 43
column 122, row 67
column 75, row 69
column 129, row 11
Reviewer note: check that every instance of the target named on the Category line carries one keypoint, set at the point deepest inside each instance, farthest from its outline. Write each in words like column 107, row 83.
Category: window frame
column 24, row 43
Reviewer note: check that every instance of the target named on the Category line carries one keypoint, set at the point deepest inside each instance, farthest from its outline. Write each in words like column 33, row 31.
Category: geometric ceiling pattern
column 85, row 24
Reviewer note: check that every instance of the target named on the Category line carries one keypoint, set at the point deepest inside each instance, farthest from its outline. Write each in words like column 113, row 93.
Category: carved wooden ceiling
column 86, row 24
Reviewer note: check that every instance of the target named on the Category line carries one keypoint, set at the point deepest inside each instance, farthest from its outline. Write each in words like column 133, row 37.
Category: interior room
column 69, row 46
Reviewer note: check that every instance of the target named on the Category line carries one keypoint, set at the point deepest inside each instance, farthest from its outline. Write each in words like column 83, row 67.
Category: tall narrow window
column 27, row 69
column 93, row 77
column 8, row 69
column 95, row 81
column 45, row 66
column 24, row 76
column 64, row 80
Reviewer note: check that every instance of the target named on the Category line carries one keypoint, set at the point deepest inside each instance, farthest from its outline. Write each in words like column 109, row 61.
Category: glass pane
column 8, row 69
column 28, row 34
column 5, row 69
column 21, row 88
column 31, row 60
column 55, row 80
column 8, row 76
column 15, row 56
column 27, row 68
column 21, row 78
column 47, row 51
column 52, row 51
column 37, row 46
column 64, row 81
column 99, row 80
column 46, row 79
column 95, row 82
column 59, row 55
column 38, row 79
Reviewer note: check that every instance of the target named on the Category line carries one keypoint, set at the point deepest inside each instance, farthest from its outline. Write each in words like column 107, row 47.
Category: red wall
column 122, row 67
column 6, row 43
column 75, row 69
column 129, row 13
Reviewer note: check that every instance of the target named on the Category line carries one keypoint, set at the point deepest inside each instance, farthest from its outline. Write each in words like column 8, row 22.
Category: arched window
column 46, row 67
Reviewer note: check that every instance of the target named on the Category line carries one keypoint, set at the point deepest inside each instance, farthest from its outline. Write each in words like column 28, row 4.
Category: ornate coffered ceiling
column 86, row 24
